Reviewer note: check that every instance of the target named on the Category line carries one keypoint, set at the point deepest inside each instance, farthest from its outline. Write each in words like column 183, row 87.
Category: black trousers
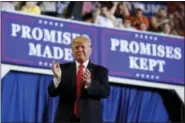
column 75, row 119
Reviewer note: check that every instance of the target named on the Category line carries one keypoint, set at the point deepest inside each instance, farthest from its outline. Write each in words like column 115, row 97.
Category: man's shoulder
column 100, row 67
column 66, row 65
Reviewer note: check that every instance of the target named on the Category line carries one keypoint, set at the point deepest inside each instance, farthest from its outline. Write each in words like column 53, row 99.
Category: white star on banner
column 51, row 23
column 146, row 37
column 141, row 36
column 40, row 62
column 155, row 38
column 56, row 24
column 147, row 76
column 136, row 35
column 40, row 21
column 137, row 75
column 61, row 25
column 151, row 38
column 152, row 76
column 157, row 77
column 45, row 22
column 142, row 75
column 45, row 63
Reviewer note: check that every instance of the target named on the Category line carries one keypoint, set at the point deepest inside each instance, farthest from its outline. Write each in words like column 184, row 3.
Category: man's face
column 127, row 23
column 167, row 28
column 143, row 27
column 81, row 49
column 162, row 13
column 104, row 11
column 120, row 7
column 139, row 13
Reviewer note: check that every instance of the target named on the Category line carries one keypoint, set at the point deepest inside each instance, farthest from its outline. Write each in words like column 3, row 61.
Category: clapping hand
column 56, row 70
column 87, row 77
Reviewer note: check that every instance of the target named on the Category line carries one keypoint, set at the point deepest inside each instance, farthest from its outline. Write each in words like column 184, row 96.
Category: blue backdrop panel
column 25, row 99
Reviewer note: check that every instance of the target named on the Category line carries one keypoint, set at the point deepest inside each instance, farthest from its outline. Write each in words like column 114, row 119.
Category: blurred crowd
column 109, row 14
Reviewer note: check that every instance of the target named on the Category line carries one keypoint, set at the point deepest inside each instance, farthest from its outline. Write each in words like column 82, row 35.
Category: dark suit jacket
column 90, row 107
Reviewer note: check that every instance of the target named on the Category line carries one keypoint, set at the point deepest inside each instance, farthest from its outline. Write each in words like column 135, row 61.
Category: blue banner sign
column 144, row 56
column 36, row 41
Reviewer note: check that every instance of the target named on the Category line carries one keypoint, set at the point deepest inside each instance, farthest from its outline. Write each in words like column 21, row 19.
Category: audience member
column 88, row 17
column 8, row 6
column 61, row 8
column 126, row 23
column 31, row 8
column 87, row 7
column 162, row 18
column 154, row 25
column 166, row 29
column 109, row 14
column 48, row 8
column 139, row 18
column 143, row 26
column 179, row 22
column 104, row 18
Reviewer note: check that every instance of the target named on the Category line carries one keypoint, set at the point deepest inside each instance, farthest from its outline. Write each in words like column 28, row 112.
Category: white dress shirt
column 84, row 65
column 57, row 82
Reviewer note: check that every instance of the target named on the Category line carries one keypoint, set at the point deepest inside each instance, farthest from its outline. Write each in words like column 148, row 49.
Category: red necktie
column 79, row 79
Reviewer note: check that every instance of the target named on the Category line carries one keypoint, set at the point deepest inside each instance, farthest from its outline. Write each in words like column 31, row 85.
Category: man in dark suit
column 80, row 86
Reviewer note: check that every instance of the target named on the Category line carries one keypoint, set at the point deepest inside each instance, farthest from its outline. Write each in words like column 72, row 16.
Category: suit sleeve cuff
column 87, row 85
column 56, row 81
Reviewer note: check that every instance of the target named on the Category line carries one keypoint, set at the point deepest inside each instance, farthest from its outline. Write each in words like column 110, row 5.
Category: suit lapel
column 73, row 72
column 90, row 66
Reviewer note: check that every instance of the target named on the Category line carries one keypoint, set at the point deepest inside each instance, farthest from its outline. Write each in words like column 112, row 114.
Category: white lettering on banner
column 124, row 46
column 26, row 32
column 34, row 50
column 50, row 35
column 68, row 54
column 146, row 7
column 58, row 53
column 146, row 49
column 45, row 35
column 177, row 54
column 169, row 52
column 161, row 51
column 47, row 52
column 154, row 50
column 134, row 47
column 15, row 28
column 146, row 64
column 37, row 33
column 39, row 50
column 114, row 44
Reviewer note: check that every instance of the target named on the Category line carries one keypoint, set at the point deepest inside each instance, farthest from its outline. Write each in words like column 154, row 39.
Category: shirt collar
column 84, row 64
